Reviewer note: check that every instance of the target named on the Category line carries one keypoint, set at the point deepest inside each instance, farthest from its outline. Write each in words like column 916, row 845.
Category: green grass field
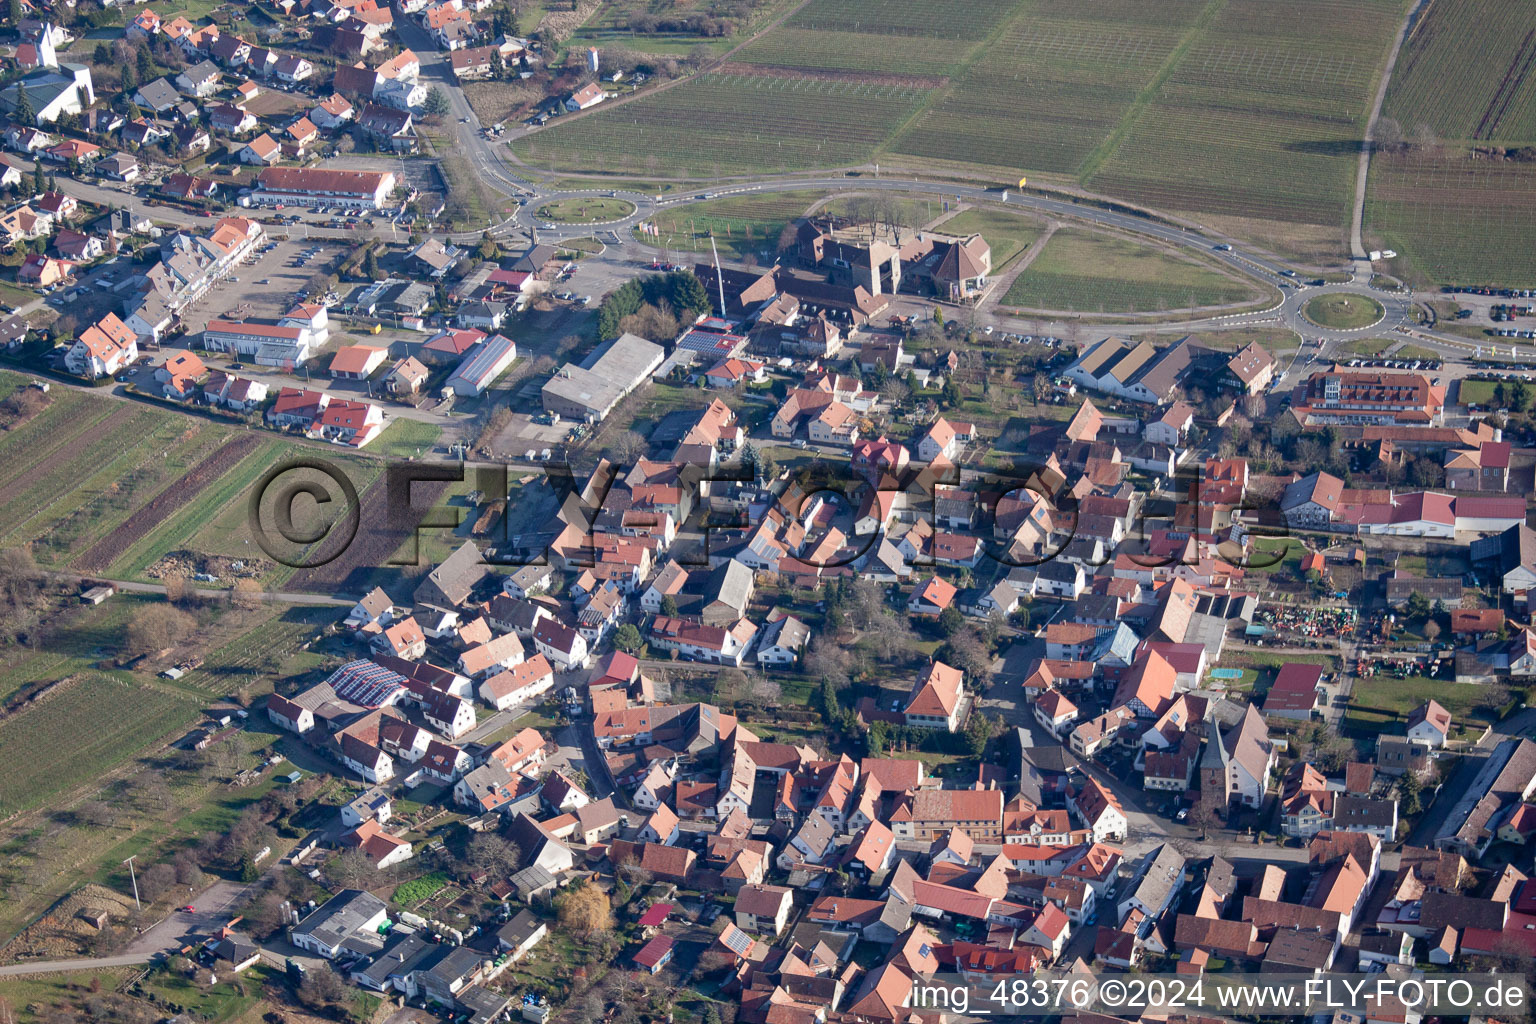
column 1343, row 312
column 1007, row 233
column 741, row 225
column 1087, row 272
column 593, row 210
column 1382, row 704
column 405, row 439
column 1477, row 392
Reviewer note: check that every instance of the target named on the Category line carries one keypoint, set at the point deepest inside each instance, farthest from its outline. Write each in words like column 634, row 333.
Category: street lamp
column 135, row 879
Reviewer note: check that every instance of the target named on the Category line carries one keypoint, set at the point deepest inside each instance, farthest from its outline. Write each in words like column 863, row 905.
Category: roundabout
column 1343, row 311
column 584, row 209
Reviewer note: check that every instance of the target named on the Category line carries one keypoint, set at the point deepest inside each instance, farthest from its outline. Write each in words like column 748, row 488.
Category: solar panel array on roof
column 365, row 683
column 736, row 940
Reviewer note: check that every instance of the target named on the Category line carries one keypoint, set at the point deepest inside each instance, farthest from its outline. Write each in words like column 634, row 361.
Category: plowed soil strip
column 165, row 504
column 377, row 539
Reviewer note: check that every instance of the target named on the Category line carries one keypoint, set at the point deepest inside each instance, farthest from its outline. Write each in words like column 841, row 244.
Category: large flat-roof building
column 591, row 390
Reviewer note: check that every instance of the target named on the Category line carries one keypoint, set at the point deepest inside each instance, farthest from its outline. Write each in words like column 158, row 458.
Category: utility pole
column 135, row 879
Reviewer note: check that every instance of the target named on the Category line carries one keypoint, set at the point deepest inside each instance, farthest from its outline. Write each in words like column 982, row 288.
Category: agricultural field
column 836, row 54
column 1452, row 205
column 217, row 522
column 1057, row 80
column 720, row 124
column 1453, row 219
column 1007, row 233
column 1212, row 108
column 1489, row 97
column 1258, row 117
column 203, row 489
column 894, row 38
column 904, row 18
column 75, row 472
column 92, row 723
column 1087, row 272
column 252, row 658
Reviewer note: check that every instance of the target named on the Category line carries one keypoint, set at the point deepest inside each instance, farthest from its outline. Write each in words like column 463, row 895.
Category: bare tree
column 157, row 627
column 18, row 575
column 352, row 869
column 1425, row 141
column 767, row 689
column 246, row 594
column 323, row 989
column 628, row 447
column 1388, row 136
column 586, row 911
column 493, row 854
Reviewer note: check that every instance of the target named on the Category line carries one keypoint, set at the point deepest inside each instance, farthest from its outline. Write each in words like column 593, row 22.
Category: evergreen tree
column 145, row 65
column 39, row 177
column 130, row 80
column 371, row 265
column 103, row 54
column 437, row 102
column 13, row 12
column 686, row 292
column 24, row 114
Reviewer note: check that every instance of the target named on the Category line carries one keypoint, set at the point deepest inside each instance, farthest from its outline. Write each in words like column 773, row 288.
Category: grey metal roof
column 340, row 916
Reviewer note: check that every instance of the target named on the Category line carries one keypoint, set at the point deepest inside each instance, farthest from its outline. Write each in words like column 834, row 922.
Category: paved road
column 283, row 597
column 176, row 929
column 95, row 964
column 1357, row 217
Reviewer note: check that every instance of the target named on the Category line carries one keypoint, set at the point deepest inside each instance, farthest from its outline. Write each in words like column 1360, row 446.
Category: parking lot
column 265, row 285
column 93, row 296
